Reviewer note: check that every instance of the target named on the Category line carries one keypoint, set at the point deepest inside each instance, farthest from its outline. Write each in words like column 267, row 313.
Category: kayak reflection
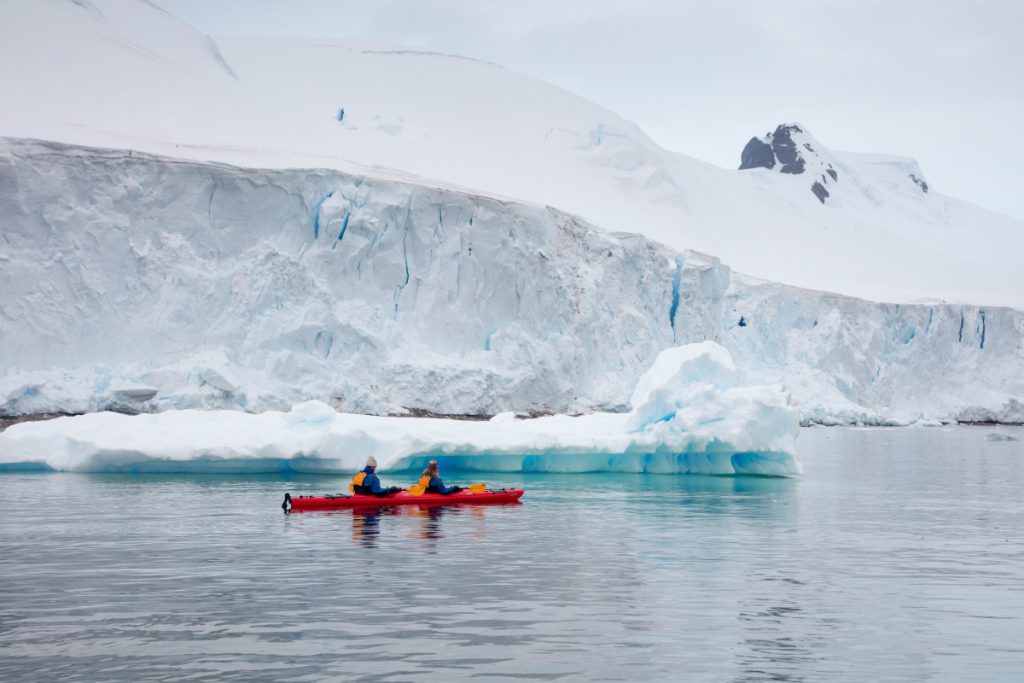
column 429, row 517
column 425, row 522
column 366, row 526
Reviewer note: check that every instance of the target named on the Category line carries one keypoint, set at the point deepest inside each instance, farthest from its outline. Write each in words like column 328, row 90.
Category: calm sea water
column 898, row 557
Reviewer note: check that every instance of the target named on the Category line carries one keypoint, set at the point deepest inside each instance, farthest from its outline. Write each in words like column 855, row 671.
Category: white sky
column 939, row 81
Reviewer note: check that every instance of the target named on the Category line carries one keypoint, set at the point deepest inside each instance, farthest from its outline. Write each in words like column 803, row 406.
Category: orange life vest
column 357, row 481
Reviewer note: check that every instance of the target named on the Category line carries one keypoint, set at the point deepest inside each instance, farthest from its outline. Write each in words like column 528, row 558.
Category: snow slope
column 117, row 73
column 688, row 415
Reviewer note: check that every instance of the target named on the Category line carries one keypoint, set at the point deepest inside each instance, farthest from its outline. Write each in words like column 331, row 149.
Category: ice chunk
column 669, row 384
column 138, row 393
column 688, row 417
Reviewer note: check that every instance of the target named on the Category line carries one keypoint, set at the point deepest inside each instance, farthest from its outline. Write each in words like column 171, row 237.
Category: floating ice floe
column 689, row 415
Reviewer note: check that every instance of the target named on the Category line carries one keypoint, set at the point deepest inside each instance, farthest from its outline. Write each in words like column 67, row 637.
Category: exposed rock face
column 757, row 154
column 819, row 191
column 795, row 152
column 778, row 146
column 786, row 150
column 919, row 182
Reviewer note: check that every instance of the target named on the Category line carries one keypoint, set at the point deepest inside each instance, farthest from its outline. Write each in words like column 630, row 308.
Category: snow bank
column 688, row 416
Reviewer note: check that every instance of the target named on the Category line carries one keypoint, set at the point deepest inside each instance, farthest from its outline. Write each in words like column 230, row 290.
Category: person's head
column 432, row 466
column 371, row 462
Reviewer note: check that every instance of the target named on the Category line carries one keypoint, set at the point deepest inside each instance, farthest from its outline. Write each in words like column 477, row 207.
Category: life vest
column 357, row 485
column 425, row 480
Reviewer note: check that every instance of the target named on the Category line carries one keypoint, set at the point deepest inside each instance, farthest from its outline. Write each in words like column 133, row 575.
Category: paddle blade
column 415, row 490
column 478, row 488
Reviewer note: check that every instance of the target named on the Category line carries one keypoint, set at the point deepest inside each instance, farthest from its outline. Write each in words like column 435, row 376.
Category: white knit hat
column 371, row 461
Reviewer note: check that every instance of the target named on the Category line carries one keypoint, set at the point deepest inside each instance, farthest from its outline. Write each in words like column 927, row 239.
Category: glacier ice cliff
column 142, row 283
column 689, row 414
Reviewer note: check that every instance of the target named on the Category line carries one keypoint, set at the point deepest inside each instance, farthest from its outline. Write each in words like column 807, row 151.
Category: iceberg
column 690, row 413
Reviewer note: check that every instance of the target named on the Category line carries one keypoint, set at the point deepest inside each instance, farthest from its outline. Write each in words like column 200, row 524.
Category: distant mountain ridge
column 790, row 149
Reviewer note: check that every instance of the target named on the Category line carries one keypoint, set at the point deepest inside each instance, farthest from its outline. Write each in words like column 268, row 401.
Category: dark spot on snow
column 832, row 172
column 742, row 322
column 776, row 146
column 786, row 151
column 757, row 154
column 919, row 182
column 819, row 191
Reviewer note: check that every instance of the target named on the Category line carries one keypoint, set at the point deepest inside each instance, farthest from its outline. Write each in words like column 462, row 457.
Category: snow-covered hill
column 122, row 73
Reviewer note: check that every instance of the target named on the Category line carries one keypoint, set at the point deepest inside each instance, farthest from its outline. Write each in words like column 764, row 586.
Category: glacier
column 272, row 102
column 142, row 283
column 689, row 414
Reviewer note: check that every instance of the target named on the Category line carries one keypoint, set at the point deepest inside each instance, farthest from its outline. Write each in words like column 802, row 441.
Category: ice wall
column 851, row 361
column 136, row 282
column 241, row 288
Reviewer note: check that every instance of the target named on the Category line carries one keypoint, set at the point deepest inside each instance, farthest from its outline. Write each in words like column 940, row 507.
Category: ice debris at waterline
column 690, row 414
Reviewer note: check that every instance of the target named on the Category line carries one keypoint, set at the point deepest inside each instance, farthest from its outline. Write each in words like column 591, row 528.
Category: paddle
column 417, row 490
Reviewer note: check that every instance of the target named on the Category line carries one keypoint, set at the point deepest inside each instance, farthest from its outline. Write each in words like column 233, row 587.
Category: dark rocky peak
column 791, row 149
column 757, row 154
column 777, row 147
column 786, row 150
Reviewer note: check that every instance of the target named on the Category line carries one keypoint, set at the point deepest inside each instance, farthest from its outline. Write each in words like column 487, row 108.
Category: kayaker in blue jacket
column 367, row 483
column 432, row 482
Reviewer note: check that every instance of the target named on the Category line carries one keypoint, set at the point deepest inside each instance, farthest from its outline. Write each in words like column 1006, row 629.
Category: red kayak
column 339, row 502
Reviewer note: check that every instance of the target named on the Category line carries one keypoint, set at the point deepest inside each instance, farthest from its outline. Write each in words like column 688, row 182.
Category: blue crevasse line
column 401, row 288
column 341, row 233
column 677, row 276
column 341, row 114
column 316, row 214
column 931, row 314
column 982, row 315
column 330, row 342
column 960, row 338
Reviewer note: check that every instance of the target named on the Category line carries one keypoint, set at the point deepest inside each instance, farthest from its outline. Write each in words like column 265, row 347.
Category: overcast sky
column 942, row 82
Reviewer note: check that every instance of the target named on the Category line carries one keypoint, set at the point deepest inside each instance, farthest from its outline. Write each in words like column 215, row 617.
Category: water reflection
column 429, row 527
column 774, row 647
column 366, row 526
column 426, row 522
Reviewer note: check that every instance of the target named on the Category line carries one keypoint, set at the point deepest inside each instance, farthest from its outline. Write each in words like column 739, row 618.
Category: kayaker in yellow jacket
column 367, row 483
column 431, row 481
